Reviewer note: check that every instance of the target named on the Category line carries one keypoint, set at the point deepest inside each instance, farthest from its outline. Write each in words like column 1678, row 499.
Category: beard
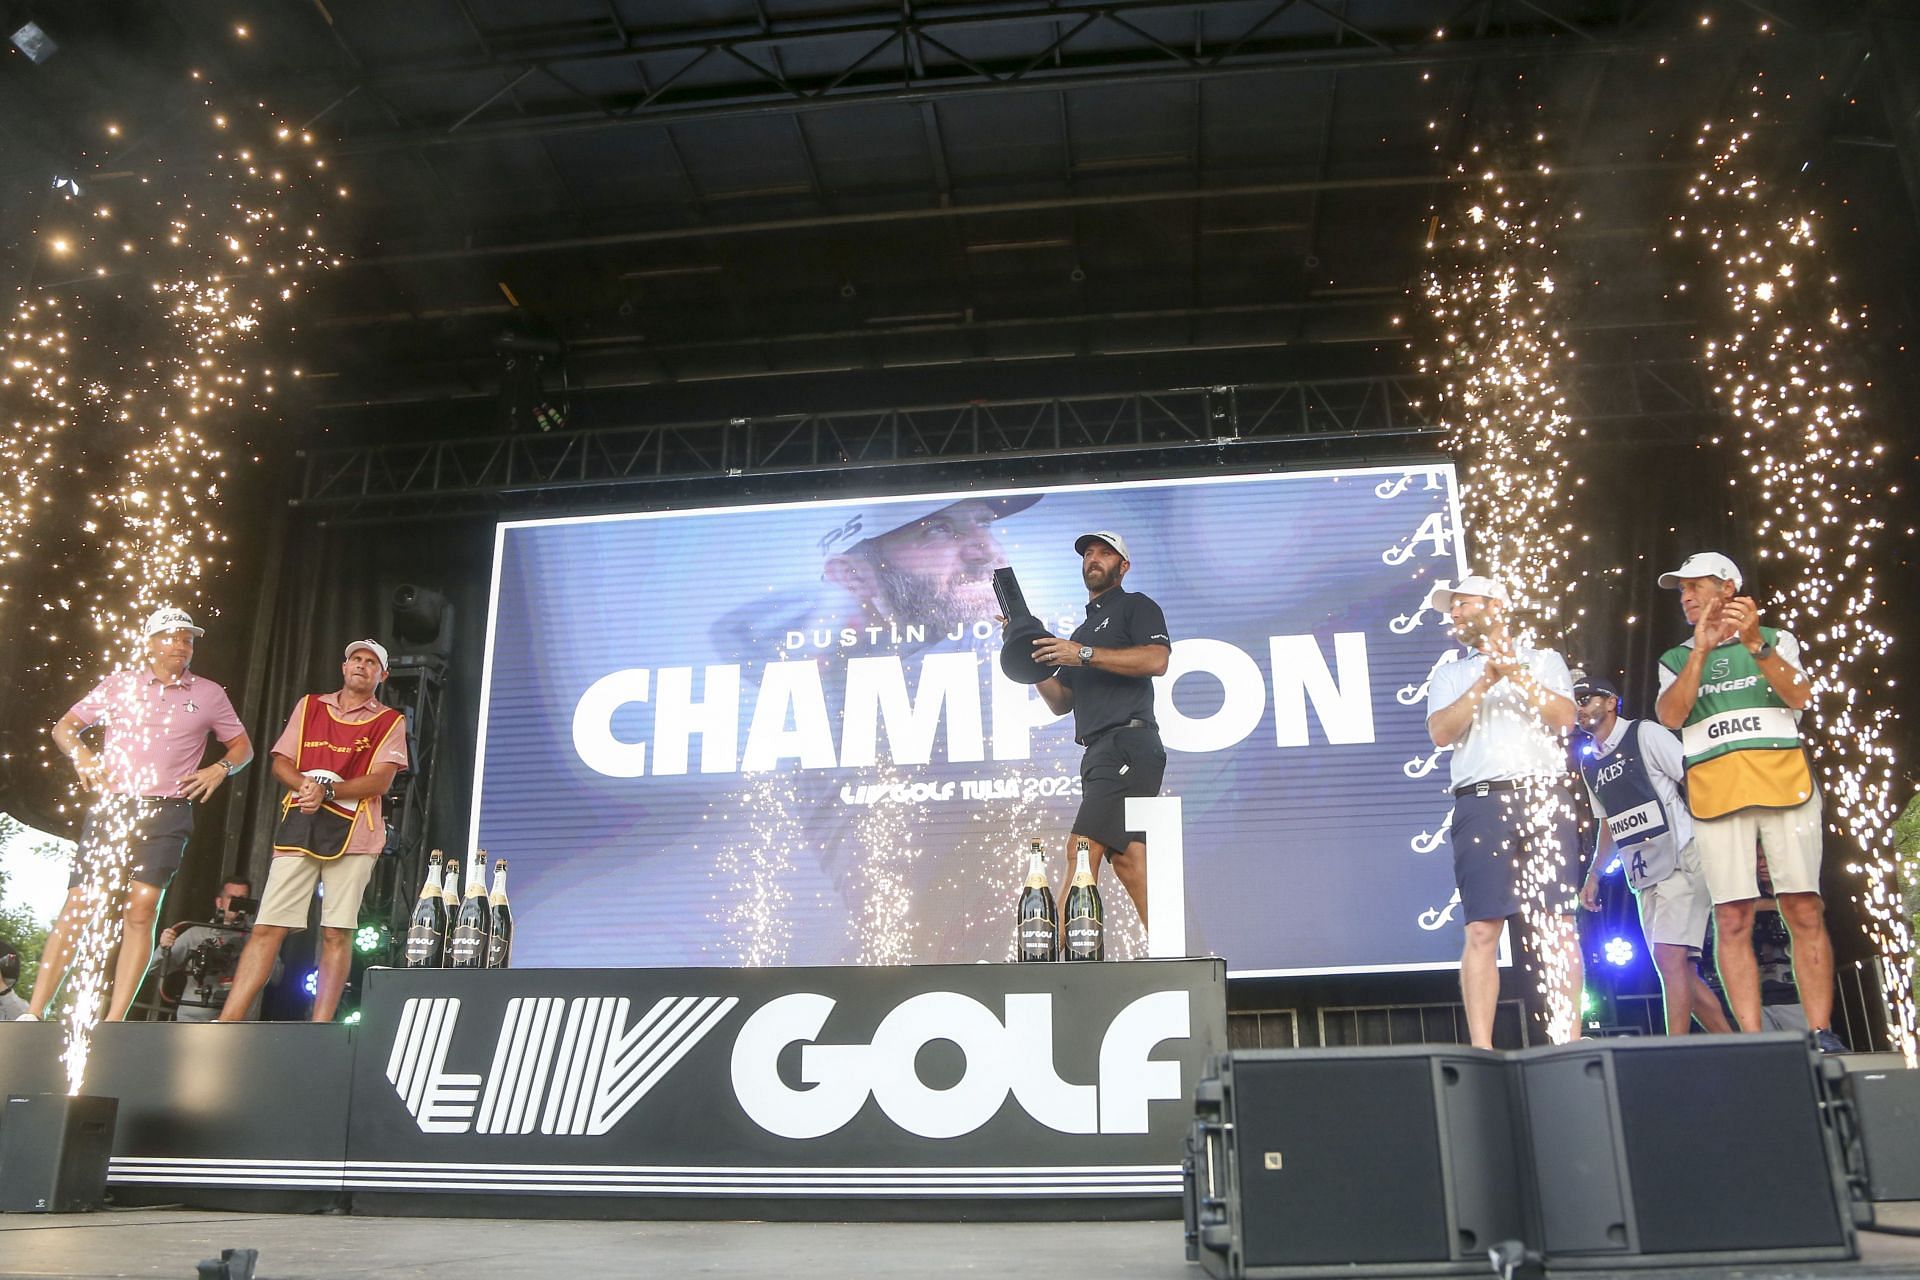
column 1098, row 579
column 938, row 602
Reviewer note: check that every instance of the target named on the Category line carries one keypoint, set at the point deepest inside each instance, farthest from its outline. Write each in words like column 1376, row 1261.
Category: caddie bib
column 1742, row 743
column 1635, row 817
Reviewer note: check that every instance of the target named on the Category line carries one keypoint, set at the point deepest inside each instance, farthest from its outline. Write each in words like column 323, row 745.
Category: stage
column 168, row 1242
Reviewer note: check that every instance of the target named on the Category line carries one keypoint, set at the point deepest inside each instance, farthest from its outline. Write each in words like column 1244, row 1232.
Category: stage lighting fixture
column 351, row 1020
column 1619, row 952
column 1587, row 1002
column 311, row 983
column 30, row 39
column 419, row 625
column 370, row 939
column 1612, row 868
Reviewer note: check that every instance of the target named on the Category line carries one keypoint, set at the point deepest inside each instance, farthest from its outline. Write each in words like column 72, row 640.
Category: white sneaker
column 28, row 1017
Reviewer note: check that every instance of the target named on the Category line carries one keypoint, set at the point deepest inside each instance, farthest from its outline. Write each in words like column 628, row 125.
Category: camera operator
column 196, row 961
column 11, row 1003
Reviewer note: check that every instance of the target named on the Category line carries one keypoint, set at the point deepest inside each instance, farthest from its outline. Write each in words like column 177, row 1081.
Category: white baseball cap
column 1107, row 536
column 374, row 647
column 170, row 619
column 1703, row 564
column 1474, row 584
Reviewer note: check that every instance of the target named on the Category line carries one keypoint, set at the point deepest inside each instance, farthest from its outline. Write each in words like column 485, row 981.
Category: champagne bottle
column 499, row 920
column 1086, row 921
column 450, row 908
column 426, row 931
column 1036, row 936
column 470, row 929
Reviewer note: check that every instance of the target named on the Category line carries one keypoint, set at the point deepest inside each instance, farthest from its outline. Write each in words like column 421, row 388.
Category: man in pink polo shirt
column 154, row 721
column 336, row 758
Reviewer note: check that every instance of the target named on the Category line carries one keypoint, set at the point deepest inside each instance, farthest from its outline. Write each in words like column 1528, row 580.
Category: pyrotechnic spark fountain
column 123, row 378
column 1493, row 301
column 757, row 907
column 1817, row 480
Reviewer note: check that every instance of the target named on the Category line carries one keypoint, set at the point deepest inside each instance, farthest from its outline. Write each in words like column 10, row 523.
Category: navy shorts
column 1119, row 764
column 1493, row 839
column 154, row 847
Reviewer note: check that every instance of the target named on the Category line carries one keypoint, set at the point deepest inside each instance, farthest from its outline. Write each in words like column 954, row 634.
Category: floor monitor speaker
column 1664, row 1151
column 54, row 1151
column 1379, row 1162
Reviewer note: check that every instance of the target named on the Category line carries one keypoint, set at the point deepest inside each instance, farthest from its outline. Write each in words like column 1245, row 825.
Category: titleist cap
column 170, row 619
column 1474, row 584
column 1703, row 564
column 374, row 647
column 1107, row 536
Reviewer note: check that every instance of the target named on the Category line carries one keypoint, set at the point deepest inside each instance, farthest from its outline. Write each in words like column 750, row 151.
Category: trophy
column 1016, row 649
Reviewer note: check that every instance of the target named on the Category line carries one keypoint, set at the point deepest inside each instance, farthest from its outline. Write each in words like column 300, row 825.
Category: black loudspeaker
column 1662, row 1151
column 54, row 1151
column 1324, row 1162
column 1885, row 1099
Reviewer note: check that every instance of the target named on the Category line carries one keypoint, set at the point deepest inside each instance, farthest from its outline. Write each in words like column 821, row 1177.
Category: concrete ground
column 169, row 1242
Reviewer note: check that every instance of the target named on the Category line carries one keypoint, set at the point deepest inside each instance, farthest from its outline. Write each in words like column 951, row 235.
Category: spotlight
column 30, row 39
column 370, row 939
column 420, row 624
column 1587, row 1003
column 1619, row 952
column 1612, row 868
column 351, row 1020
column 311, row 983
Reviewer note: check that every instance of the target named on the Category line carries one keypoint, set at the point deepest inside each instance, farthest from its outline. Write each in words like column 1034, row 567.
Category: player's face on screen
column 939, row 569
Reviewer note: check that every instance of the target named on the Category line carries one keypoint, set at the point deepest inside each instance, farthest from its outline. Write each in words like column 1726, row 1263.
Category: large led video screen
column 779, row 734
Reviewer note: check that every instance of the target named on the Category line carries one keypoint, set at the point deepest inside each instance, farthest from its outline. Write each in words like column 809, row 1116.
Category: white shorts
column 290, row 882
column 1790, row 839
column 1675, row 911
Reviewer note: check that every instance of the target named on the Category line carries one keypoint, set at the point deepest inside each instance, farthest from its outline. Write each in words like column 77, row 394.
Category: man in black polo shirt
column 1105, row 678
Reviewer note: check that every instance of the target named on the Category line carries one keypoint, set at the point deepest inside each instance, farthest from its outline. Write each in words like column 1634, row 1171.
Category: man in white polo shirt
column 1735, row 691
column 1505, row 710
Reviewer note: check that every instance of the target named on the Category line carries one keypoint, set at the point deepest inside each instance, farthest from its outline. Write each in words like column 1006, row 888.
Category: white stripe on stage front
column 1065, row 1181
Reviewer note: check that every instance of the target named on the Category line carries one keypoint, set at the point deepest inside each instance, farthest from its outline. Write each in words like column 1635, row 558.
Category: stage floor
column 168, row 1242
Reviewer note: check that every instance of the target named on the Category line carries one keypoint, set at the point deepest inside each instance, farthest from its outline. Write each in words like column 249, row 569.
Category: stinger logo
column 564, row 1066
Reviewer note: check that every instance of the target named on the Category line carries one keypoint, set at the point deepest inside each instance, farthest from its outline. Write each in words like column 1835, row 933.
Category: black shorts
column 1119, row 764
column 1492, row 840
column 154, row 847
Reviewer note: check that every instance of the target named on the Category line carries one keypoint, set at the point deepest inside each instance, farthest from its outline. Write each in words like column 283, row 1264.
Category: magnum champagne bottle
column 1036, row 936
column 450, row 907
column 499, row 920
column 470, row 928
column 426, row 931
column 1086, row 921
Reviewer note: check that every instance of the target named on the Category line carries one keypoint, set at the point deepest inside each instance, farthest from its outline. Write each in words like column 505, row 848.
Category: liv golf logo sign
column 576, row 1067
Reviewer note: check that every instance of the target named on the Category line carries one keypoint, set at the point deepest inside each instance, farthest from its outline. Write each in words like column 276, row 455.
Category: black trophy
column 1016, row 647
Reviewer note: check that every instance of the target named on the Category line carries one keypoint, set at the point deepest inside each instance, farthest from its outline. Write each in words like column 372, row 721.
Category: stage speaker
column 1664, row 1151
column 1381, row 1161
column 1885, row 1099
column 54, row 1151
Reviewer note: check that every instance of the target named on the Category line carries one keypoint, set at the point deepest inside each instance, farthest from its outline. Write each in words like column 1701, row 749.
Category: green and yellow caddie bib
column 1741, row 741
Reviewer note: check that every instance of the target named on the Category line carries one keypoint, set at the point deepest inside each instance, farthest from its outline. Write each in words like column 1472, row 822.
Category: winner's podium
column 945, row 1091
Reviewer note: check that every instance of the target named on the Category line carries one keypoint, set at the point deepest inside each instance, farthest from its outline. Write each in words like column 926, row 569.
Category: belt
column 157, row 801
column 1098, row 734
column 1506, row 784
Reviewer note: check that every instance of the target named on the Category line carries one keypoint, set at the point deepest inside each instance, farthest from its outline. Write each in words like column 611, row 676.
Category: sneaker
column 1827, row 1042
column 28, row 1017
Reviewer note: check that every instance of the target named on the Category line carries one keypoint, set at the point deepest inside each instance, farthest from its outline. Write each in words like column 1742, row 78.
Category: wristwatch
column 1086, row 655
column 327, row 788
column 230, row 767
column 1765, row 650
